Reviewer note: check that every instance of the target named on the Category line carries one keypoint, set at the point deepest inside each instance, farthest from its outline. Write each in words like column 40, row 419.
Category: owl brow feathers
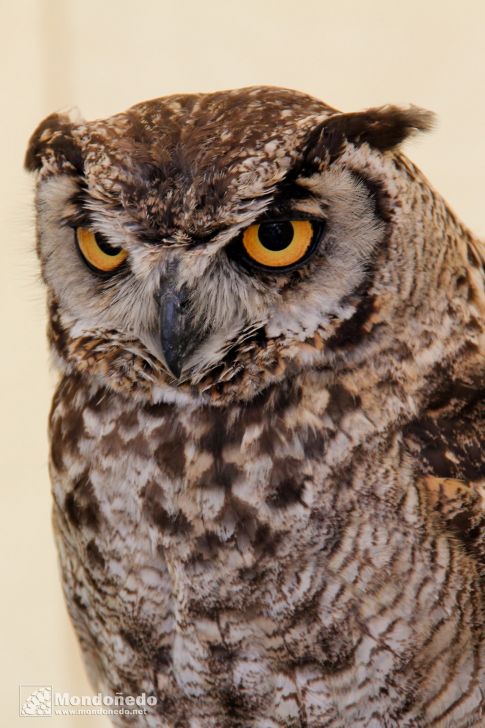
column 382, row 128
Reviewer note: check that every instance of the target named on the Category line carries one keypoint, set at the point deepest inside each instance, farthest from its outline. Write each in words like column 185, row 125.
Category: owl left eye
column 280, row 245
column 99, row 255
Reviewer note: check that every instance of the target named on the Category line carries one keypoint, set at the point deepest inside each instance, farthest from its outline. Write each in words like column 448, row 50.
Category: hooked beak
column 178, row 336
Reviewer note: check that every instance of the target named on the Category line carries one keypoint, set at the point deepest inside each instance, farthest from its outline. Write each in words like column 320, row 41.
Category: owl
column 267, row 436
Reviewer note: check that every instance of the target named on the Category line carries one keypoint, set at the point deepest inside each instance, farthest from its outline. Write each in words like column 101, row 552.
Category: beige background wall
column 103, row 55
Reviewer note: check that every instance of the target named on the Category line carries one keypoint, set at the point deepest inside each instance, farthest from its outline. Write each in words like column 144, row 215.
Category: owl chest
column 231, row 503
column 229, row 546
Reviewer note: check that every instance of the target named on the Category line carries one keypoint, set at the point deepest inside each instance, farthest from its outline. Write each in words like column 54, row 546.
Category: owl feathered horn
column 383, row 128
column 53, row 137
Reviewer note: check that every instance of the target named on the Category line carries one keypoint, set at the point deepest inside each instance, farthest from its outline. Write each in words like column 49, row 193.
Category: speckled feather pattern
column 291, row 535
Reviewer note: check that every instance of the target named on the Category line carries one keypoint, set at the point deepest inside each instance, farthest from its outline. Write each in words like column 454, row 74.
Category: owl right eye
column 99, row 255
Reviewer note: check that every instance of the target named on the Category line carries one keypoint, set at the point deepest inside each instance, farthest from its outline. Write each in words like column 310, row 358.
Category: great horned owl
column 266, row 440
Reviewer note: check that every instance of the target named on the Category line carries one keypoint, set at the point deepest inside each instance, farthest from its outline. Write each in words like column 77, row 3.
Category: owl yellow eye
column 281, row 244
column 99, row 255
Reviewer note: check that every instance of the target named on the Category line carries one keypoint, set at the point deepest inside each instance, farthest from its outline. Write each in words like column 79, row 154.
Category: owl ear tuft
column 53, row 141
column 382, row 128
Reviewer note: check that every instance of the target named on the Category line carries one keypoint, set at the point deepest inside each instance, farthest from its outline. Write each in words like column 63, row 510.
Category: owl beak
column 177, row 336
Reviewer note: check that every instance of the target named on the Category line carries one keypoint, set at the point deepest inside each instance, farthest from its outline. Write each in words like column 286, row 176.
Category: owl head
column 205, row 246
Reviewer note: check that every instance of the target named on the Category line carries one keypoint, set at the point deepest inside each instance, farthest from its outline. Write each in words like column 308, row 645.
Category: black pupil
column 106, row 247
column 275, row 235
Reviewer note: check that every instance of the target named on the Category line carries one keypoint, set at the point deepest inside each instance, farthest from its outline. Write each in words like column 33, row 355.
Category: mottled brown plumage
column 288, row 530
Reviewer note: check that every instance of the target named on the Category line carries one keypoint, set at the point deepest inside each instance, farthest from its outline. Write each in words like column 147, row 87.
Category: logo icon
column 35, row 701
